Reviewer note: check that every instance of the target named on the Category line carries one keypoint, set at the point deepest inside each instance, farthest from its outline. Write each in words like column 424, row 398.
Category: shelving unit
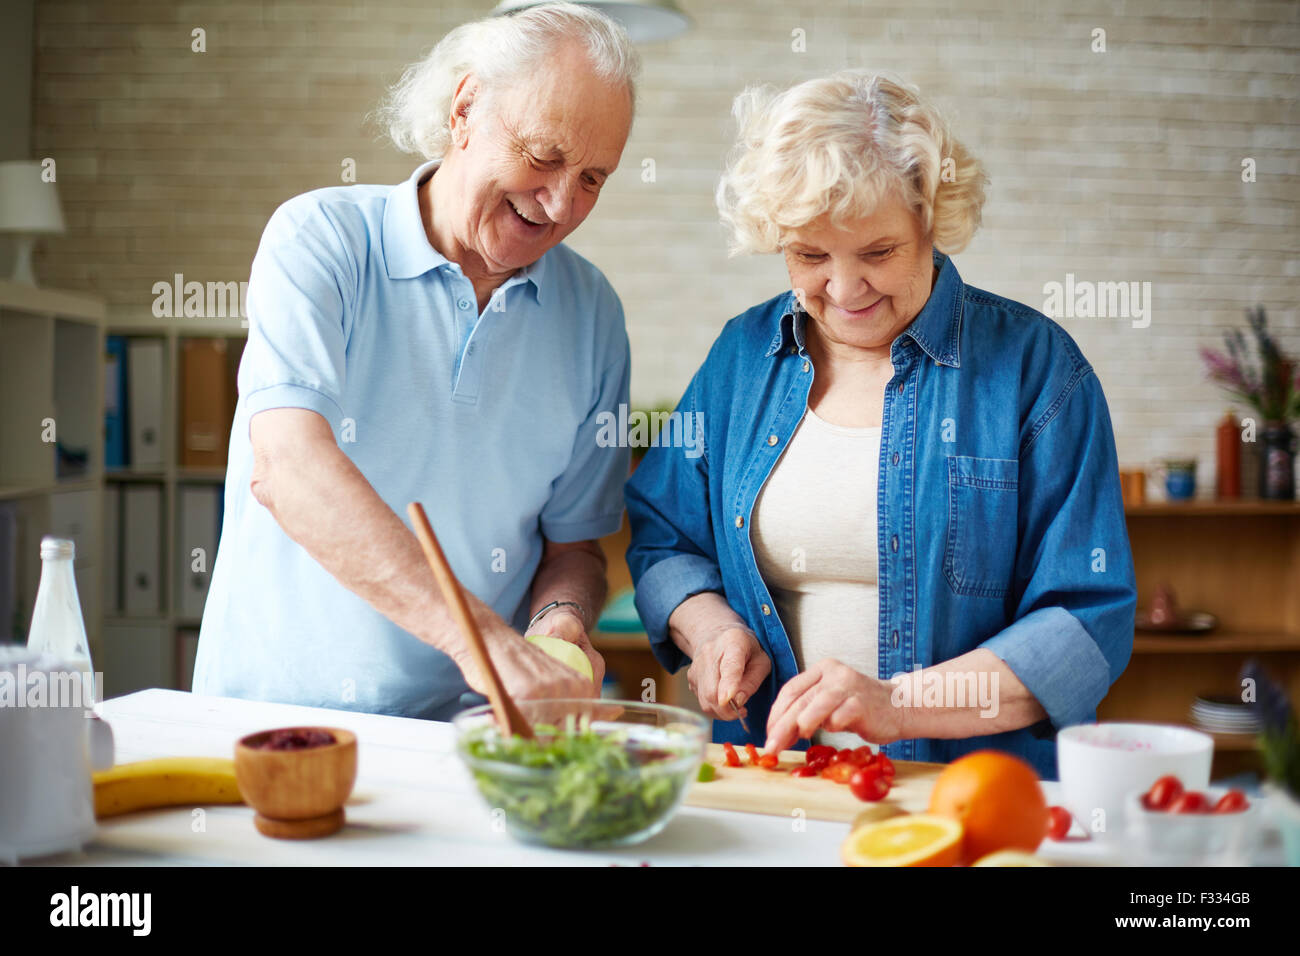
column 155, row 650
column 51, row 344
column 1237, row 560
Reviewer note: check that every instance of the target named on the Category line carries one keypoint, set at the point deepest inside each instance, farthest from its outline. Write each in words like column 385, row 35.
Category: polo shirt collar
column 406, row 248
column 936, row 329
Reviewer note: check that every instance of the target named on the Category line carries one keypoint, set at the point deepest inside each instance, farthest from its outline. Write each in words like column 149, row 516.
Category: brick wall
column 1123, row 165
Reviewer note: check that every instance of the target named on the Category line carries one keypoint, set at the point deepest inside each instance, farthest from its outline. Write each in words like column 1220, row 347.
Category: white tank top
column 814, row 537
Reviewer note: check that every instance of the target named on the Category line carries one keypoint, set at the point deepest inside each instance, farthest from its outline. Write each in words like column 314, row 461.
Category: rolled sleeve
column 300, row 287
column 1057, row 660
column 661, row 589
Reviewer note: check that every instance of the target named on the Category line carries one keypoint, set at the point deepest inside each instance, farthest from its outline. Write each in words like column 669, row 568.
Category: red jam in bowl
column 294, row 738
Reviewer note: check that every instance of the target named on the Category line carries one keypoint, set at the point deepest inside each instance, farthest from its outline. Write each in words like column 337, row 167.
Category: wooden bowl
column 298, row 794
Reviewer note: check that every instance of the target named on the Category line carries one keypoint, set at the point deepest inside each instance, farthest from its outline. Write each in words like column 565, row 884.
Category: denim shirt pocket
column 980, row 552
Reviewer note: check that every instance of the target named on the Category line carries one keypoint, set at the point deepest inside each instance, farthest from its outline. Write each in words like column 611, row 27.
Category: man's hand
column 832, row 696
column 727, row 664
column 527, row 672
column 568, row 626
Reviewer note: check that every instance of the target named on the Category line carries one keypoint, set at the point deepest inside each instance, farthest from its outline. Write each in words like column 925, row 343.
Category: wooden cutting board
column 755, row 790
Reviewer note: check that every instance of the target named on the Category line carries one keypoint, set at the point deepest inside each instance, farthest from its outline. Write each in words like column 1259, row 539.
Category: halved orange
column 918, row 839
column 1010, row 858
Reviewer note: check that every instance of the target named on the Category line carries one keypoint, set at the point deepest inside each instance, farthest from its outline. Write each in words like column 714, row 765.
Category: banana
column 167, row 782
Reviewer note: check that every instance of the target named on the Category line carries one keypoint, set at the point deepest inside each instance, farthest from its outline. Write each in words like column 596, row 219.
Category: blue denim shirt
column 1000, row 519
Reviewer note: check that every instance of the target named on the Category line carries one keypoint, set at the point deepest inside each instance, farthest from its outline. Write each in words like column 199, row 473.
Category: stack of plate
column 1224, row 714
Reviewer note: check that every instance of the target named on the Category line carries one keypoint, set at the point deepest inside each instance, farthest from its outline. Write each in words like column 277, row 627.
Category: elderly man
column 433, row 341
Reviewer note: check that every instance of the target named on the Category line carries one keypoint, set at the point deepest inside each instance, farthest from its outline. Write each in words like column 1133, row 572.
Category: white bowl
column 1160, row 838
column 1101, row 764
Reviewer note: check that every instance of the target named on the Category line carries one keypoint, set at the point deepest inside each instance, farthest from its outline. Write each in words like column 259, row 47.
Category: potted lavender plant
column 1279, row 744
column 1268, row 384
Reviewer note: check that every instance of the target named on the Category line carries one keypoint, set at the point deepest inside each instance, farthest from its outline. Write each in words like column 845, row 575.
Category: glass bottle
column 58, row 628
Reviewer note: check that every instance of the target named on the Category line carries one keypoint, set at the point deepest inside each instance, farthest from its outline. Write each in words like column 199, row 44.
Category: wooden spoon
column 510, row 719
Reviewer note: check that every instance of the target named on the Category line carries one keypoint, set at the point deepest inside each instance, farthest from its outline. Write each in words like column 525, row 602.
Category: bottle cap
column 52, row 547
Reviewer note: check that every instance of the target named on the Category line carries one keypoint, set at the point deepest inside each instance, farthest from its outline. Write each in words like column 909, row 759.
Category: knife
column 732, row 701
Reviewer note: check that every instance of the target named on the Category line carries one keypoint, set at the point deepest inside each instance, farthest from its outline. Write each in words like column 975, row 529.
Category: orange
column 996, row 798
column 914, row 840
column 1010, row 858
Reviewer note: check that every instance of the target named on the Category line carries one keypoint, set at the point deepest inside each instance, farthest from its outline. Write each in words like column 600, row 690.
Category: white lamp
column 29, row 207
column 644, row 20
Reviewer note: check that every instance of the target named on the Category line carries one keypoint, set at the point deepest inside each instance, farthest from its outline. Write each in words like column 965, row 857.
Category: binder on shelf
column 207, row 406
column 115, row 402
column 145, row 401
column 141, row 549
column 112, row 549
column 197, row 530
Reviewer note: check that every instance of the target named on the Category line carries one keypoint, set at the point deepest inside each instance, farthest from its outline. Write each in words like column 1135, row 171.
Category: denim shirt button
column 806, row 365
column 766, row 610
column 893, row 640
column 895, row 458
column 900, row 388
column 740, row 521
column 893, row 542
column 772, row 439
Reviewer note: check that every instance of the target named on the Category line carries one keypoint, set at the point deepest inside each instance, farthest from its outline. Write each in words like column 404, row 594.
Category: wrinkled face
column 863, row 281
column 530, row 160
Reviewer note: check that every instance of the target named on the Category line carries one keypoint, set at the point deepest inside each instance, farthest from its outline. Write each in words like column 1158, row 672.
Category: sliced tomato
column 1234, row 801
column 768, row 761
column 841, row 756
column 733, row 758
column 886, row 766
column 804, row 771
column 863, row 756
column 1058, row 822
column 819, row 764
column 819, row 752
column 752, row 751
column 839, row 772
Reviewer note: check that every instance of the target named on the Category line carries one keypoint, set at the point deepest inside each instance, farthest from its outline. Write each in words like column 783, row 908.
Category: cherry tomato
column 1163, row 793
column 752, row 751
column 1234, row 801
column 839, row 772
column 1190, row 802
column 863, row 756
column 867, row 784
column 1058, row 822
column 803, row 772
column 819, row 752
column 733, row 758
column 769, row 761
column 818, row 764
column 886, row 767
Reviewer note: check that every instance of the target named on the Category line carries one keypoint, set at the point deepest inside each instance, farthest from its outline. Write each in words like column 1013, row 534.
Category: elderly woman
column 396, row 333
column 906, row 525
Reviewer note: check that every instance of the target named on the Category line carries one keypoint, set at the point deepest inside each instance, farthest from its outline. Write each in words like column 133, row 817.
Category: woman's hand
column 832, row 696
column 727, row 665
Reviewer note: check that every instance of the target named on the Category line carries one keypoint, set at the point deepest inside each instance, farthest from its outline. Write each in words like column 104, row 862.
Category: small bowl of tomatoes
column 1170, row 825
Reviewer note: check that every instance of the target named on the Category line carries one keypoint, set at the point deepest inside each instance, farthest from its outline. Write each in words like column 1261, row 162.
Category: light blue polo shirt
column 490, row 421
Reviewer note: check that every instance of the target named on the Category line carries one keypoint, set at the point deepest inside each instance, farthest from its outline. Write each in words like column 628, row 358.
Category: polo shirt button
column 772, row 439
column 766, row 610
column 463, row 303
column 740, row 521
column 806, row 365
column 893, row 641
column 893, row 542
column 895, row 458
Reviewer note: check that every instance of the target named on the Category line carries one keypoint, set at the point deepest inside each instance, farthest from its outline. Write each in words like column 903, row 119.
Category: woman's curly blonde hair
column 838, row 145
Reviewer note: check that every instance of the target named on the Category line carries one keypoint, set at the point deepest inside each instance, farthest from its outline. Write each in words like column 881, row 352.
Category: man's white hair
column 840, row 144
column 499, row 51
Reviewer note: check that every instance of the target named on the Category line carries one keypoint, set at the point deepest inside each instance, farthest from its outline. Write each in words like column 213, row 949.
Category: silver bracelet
column 582, row 613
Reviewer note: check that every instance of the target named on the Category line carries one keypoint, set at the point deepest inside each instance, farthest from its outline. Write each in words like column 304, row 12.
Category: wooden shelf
column 37, row 300
column 130, row 474
column 1213, row 509
column 213, row 475
column 1215, row 642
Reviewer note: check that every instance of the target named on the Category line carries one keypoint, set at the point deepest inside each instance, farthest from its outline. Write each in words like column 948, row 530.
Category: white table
column 413, row 804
